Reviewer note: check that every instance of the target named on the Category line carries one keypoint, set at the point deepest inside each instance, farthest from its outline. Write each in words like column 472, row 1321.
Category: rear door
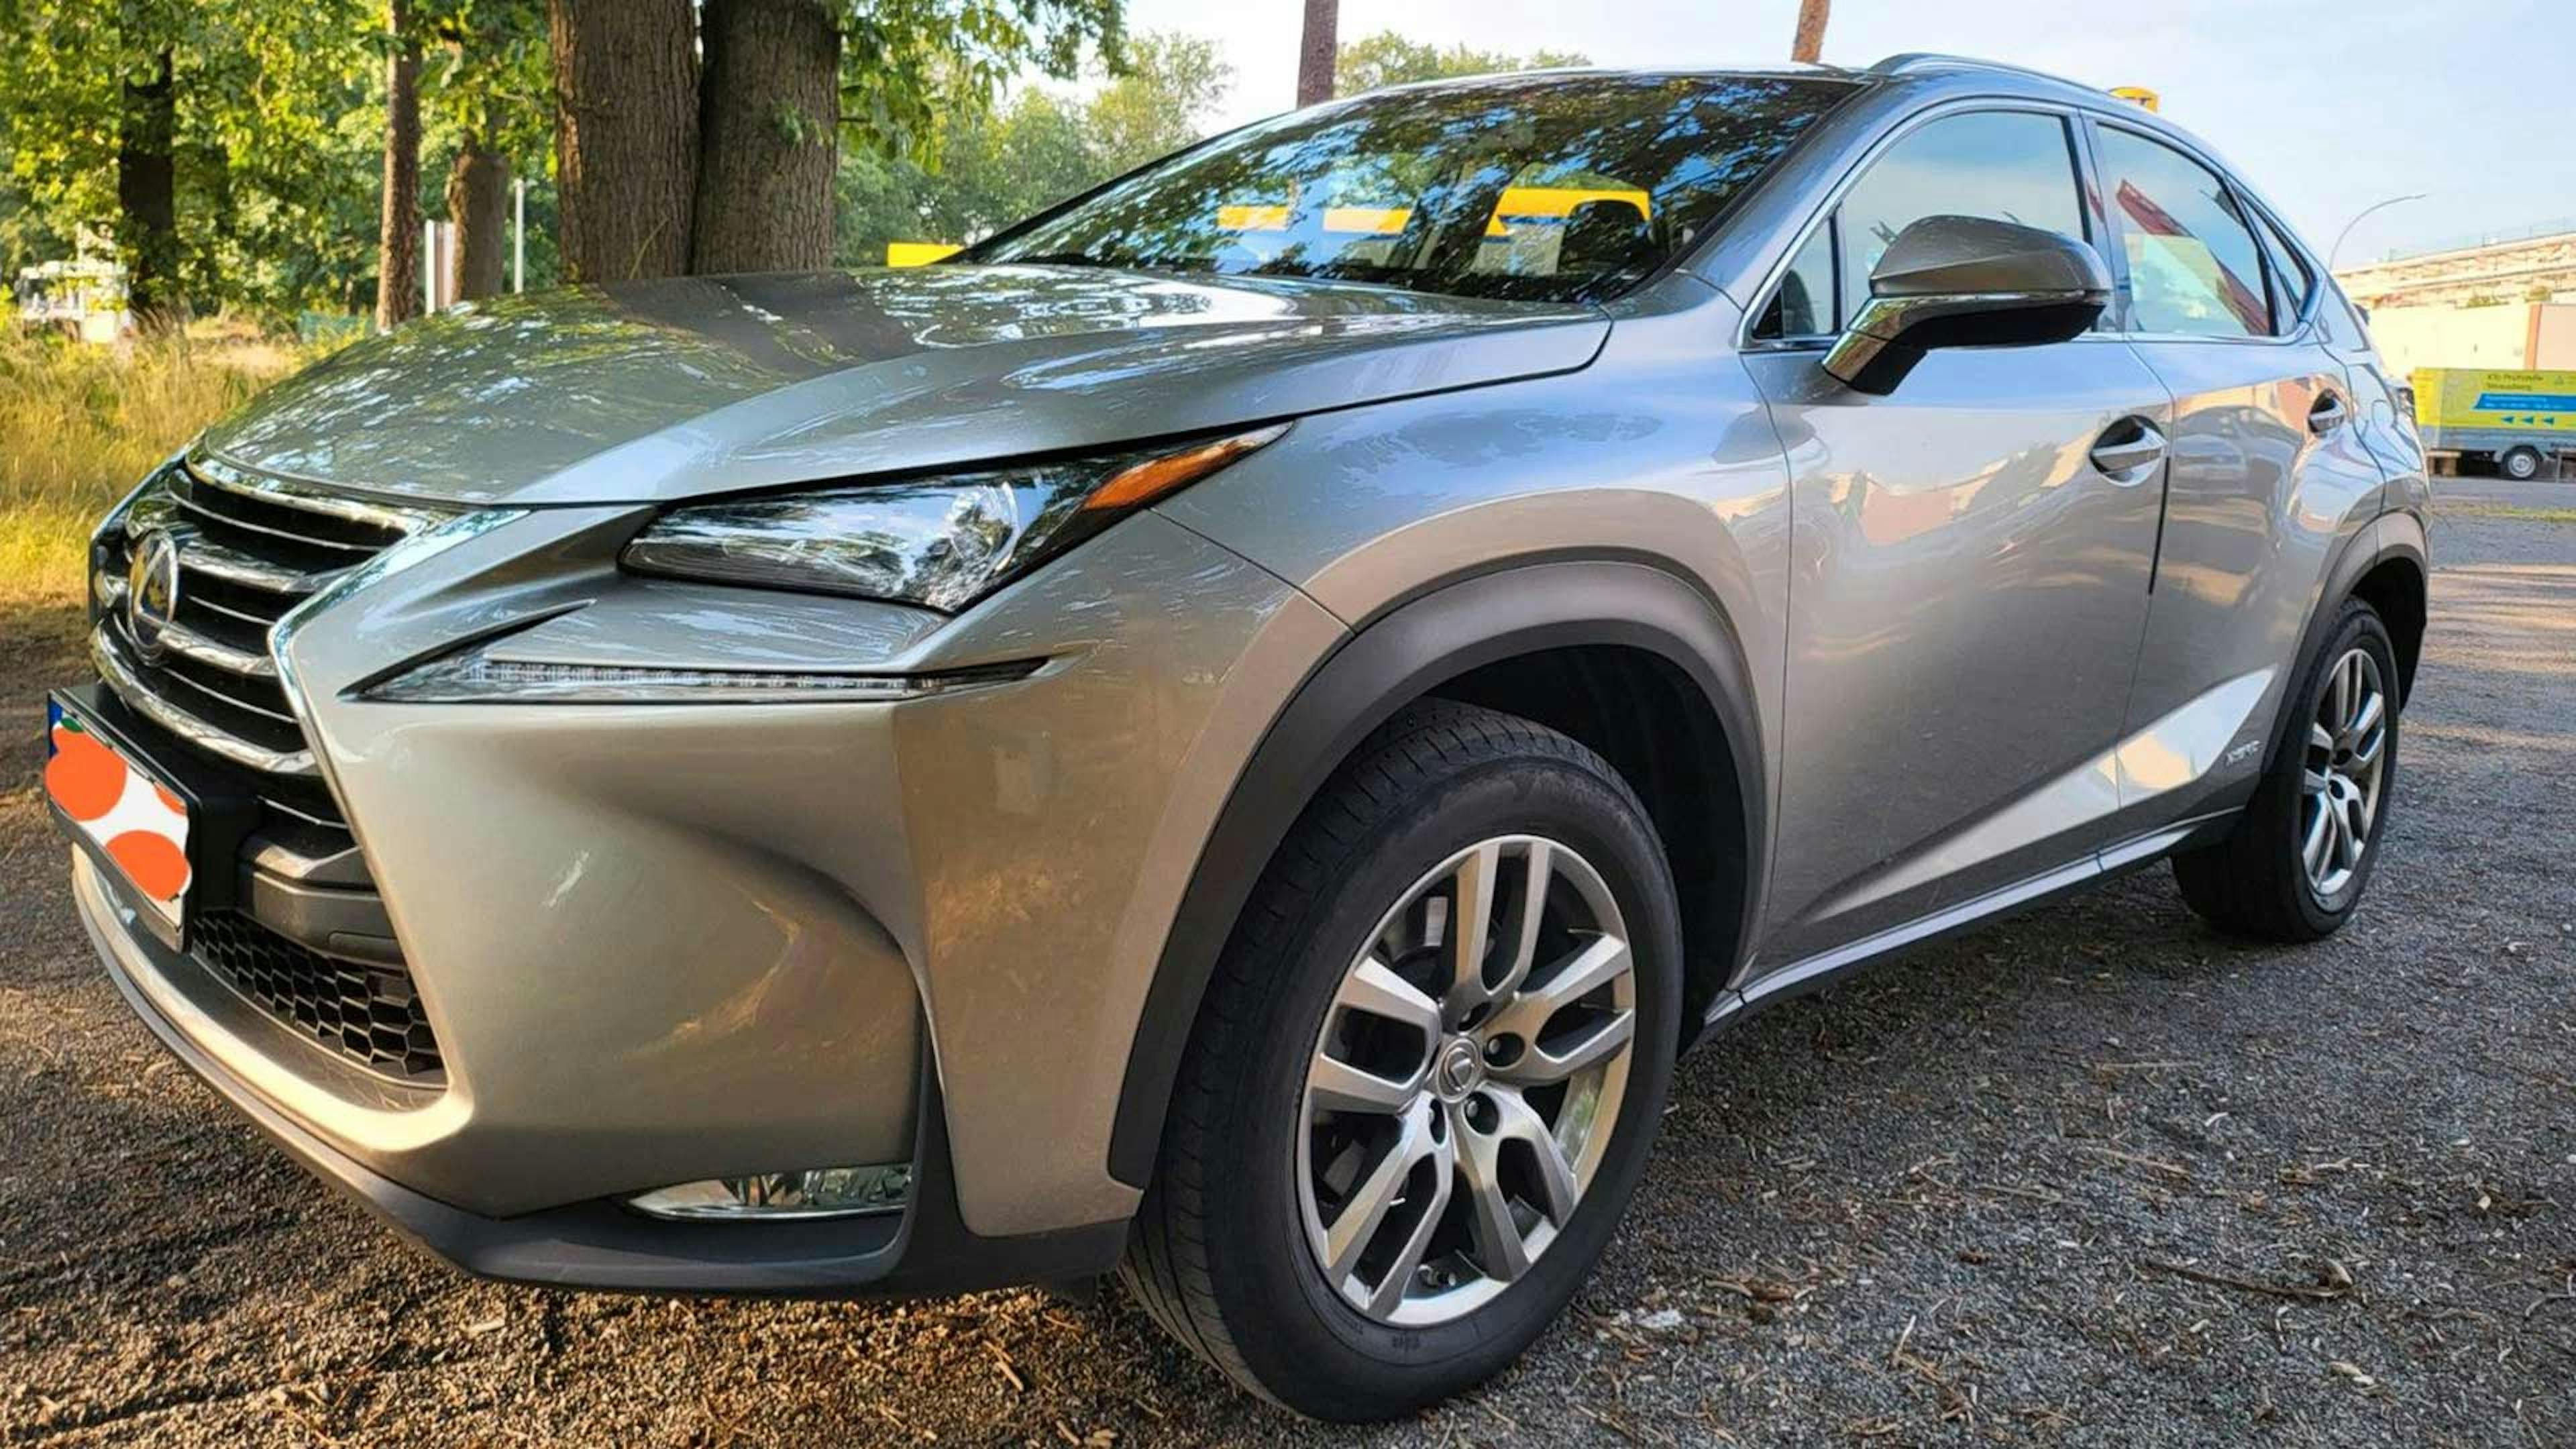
column 1969, row 582
column 2270, row 468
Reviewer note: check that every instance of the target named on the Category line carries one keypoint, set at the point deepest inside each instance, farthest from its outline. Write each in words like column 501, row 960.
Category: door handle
column 2327, row 415
column 2128, row 450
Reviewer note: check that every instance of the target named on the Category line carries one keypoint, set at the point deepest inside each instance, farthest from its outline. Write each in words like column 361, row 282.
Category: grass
column 80, row 425
column 2507, row 510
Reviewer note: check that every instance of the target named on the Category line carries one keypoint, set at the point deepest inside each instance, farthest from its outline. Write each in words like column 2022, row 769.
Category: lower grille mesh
column 367, row 1013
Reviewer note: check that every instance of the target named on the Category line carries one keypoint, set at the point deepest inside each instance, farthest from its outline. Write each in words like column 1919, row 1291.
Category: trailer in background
column 2520, row 422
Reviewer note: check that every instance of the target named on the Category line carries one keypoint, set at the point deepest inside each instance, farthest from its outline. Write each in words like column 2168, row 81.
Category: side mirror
column 1964, row 281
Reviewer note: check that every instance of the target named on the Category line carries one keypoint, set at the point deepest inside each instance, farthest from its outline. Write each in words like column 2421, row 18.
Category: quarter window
column 2292, row 282
column 2194, row 266
column 1804, row 305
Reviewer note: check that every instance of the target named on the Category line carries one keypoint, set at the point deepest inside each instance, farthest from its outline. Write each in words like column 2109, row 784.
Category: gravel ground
column 2092, row 1176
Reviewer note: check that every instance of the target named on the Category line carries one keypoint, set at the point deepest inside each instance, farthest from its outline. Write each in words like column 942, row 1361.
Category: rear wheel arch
column 1510, row 640
column 2383, row 564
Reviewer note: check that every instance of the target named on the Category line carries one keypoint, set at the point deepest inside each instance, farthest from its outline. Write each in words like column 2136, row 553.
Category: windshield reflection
column 1548, row 187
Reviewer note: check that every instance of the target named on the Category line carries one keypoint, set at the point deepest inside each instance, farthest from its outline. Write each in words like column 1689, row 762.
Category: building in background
column 2502, row 304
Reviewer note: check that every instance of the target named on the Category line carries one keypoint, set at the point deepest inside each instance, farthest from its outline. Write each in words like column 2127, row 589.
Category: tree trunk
column 626, row 135
column 478, row 202
column 398, row 239
column 1809, row 44
column 1317, row 52
column 768, row 130
column 147, row 199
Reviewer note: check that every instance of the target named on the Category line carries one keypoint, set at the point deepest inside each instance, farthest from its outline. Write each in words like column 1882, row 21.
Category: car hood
column 656, row 390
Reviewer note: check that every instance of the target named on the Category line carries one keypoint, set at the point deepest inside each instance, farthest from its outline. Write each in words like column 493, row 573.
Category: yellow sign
column 1519, row 203
column 2137, row 94
column 919, row 254
column 2480, row 397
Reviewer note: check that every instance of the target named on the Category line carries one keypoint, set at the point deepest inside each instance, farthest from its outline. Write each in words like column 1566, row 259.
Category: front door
column 1971, row 558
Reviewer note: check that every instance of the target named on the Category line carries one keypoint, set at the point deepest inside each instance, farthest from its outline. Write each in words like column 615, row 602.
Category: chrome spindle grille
column 247, row 550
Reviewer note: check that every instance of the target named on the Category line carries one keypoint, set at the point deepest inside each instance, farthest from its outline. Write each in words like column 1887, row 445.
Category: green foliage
column 262, row 145
column 991, row 169
column 910, row 67
column 1389, row 59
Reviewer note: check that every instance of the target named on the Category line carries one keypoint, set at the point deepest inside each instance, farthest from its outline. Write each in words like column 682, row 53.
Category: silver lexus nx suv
column 1233, row 731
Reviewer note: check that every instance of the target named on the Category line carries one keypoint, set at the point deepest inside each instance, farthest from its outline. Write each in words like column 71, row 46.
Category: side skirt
column 1773, row 987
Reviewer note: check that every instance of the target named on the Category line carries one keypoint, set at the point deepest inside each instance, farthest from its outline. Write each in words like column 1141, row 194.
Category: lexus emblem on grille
column 152, row 592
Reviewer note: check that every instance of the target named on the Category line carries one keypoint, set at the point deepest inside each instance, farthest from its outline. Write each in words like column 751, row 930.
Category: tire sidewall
column 1315, row 1339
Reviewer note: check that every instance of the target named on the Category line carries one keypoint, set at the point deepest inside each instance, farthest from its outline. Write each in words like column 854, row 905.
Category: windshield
column 1548, row 187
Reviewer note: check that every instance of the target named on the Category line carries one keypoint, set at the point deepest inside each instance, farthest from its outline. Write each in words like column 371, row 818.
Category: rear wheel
column 1426, row 1076
column 2295, row 865
column 2521, row 464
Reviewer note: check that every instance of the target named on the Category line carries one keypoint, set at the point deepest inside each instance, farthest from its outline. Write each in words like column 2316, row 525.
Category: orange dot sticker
column 139, row 824
column 84, row 777
column 154, row 862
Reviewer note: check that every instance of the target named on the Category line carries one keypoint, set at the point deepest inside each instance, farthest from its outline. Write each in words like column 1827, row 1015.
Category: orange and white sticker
column 135, row 819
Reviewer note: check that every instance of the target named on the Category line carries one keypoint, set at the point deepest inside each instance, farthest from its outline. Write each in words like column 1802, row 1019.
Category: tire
column 2520, row 464
column 2258, row 882
column 1225, row 1254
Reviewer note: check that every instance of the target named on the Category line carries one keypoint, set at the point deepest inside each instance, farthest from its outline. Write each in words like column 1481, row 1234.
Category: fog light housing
column 816, row 1192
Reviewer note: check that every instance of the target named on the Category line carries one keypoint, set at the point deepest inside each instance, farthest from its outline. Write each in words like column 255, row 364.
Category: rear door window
column 2195, row 269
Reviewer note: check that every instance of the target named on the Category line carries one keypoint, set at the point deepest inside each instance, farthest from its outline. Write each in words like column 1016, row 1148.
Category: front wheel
column 1426, row 1076
column 2521, row 465
column 2294, row 866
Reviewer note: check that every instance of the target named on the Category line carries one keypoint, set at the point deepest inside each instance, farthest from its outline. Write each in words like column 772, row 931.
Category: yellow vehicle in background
column 2519, row 421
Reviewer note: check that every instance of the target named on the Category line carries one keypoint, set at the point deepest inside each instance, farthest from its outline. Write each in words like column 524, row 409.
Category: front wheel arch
column 1403, row 656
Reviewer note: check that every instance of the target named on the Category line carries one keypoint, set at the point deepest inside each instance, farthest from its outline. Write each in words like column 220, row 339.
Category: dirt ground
column 2093, row 1176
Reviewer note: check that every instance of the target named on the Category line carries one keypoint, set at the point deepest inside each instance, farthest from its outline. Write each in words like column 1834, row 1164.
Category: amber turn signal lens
column 1142, row 483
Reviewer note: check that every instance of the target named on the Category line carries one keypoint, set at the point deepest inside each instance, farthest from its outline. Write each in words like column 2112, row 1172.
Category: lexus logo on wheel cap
column 152, row 592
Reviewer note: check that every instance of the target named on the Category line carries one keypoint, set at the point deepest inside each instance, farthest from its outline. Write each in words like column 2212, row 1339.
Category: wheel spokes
column 1500, row 1249
column 1408, row 1255
column 1599, row 962
column 2320, row 837
column 1600, row 1041
column 1334, row 1085
column 1521, row 1123
column 1377, row 1194
column 1419, row 1158
column 1374, row 987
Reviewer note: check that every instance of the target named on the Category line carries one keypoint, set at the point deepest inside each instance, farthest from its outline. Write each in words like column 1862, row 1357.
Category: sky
column 2325, row 106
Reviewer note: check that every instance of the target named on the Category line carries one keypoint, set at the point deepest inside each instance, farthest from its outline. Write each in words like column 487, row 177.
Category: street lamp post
column 2337, row 248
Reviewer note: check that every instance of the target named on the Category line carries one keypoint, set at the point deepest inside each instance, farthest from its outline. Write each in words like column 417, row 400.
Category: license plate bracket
column 145, row 817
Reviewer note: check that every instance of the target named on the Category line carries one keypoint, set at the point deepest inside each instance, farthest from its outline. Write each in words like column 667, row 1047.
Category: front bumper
column 924, row 1250
column 661, row 943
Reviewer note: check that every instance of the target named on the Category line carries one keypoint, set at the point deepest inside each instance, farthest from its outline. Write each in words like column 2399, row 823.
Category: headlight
column 939, row 542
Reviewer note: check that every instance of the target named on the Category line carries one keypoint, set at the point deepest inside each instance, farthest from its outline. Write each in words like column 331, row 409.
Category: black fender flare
column 1390, row 661
column 2396, row 534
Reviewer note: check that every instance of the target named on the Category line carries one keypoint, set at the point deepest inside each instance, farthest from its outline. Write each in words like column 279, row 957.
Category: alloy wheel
column 1467, row 1080
column 2347, row 756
